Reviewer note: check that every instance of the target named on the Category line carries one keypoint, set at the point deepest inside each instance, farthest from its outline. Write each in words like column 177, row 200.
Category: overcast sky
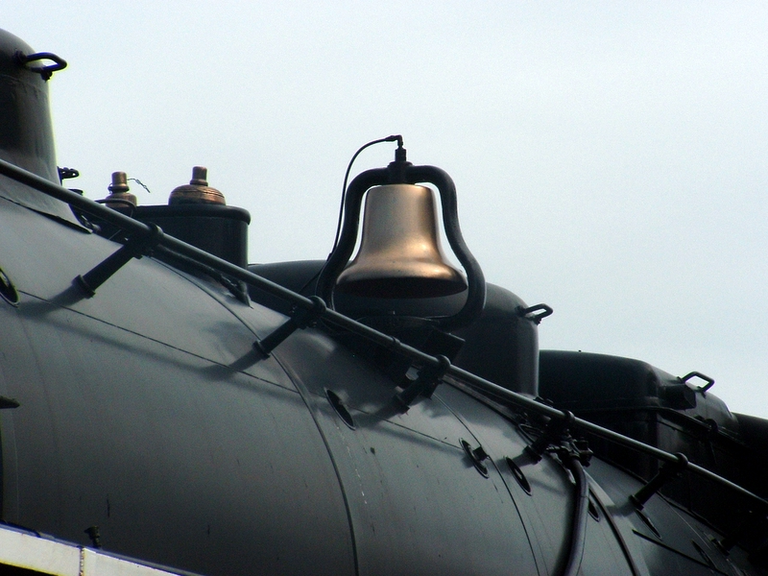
column 610, row 157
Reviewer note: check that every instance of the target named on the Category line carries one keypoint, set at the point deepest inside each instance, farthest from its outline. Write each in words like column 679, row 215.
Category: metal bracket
column 703, row 389
column 476, row 456
column 66, row 173
column 669, row 471
column 45, row 71
column 542, row 309
column 425, row 384
column 553, row 434
column 301, row 318
column 133, row 248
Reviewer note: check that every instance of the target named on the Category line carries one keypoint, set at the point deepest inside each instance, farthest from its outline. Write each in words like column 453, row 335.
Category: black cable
column 393, row 138
column 579, row 519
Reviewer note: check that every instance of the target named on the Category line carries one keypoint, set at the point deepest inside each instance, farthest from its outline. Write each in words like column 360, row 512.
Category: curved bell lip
column 405, row 286
column 400, row 254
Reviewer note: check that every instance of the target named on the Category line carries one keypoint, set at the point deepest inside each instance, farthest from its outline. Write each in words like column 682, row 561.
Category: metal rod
column 133, row 248
column 300, row 319
column 669, row 471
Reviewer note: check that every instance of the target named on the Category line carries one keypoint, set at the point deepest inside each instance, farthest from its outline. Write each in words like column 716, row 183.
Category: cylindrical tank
column 27, row 136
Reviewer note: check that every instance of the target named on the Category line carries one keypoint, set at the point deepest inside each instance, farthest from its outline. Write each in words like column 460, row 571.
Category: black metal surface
column 387, row 342
column 500, row 346
column 163, row 430
column 145, row 422
column 341, row 321
column 220, row 230
column 650, row 405
column 416, row 503
column 26, row 132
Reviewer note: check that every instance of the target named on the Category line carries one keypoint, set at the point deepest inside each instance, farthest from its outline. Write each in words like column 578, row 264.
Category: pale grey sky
column 610, row 157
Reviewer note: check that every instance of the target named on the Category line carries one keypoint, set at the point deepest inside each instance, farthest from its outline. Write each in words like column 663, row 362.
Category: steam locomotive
column 165, row 407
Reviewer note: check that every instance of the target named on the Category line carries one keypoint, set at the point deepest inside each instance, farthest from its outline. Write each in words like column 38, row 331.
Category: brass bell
column 400, row 254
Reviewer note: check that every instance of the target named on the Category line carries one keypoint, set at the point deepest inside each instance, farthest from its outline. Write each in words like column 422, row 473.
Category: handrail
column 331, row 316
